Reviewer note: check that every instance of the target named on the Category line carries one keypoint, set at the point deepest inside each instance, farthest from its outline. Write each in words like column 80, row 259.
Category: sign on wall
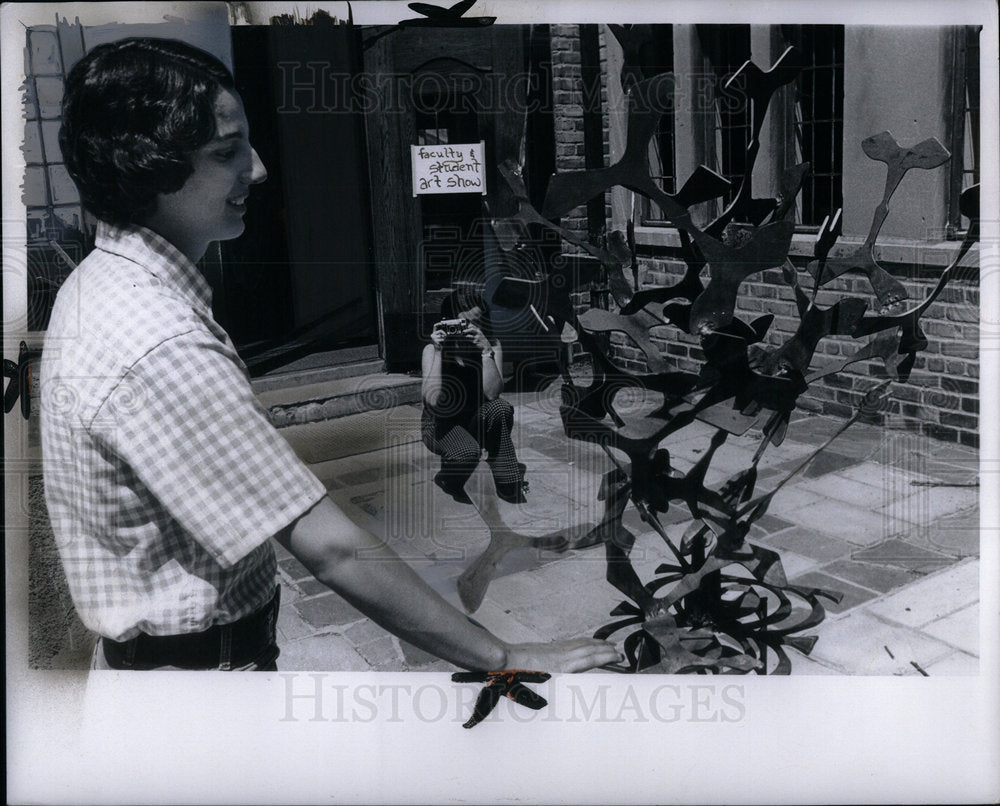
column 449, row 168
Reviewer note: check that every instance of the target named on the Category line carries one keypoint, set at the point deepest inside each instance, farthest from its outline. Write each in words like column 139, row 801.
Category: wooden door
column 427, row 84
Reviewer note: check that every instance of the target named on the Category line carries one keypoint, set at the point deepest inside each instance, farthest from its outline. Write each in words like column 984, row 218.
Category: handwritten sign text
column 449, row 168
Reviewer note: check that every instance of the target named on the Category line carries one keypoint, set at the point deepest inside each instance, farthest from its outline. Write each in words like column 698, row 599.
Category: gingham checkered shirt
column 163, row 477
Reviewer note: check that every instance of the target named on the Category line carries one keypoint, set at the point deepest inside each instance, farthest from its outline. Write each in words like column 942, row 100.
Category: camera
column 452, row 327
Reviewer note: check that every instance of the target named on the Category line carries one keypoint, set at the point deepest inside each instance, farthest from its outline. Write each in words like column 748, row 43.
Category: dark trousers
column 247, row 645
column 460, row 442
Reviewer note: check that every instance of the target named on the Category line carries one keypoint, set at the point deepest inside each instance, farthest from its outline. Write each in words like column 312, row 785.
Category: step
column 313, row 375
column 353, row 434
column 340, row 397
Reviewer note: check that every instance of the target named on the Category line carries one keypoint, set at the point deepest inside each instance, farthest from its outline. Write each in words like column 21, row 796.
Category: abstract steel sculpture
column 710, row 616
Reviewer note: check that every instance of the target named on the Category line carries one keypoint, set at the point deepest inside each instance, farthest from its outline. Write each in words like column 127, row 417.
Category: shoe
column 458, row 492
column 513, row 492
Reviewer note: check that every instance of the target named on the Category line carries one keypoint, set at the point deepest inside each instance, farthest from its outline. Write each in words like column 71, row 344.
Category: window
column 656, row 56
column 726, row 48
column 818, row 119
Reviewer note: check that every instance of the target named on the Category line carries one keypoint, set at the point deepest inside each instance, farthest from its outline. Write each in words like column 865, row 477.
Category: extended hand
column 575, row 655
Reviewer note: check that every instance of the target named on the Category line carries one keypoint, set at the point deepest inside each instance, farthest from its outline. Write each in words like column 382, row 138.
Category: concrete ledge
column 887, row 249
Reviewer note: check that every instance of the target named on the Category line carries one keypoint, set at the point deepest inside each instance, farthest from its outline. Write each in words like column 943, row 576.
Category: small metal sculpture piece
column 636, row 326
column 506, row 683
column 20, row 375
column 758, row 86
column 766, row 248
column 795, row 355
column 450, row 17
column 638, row 52
column 653, row 97
column 884, row 148
column 512, row 231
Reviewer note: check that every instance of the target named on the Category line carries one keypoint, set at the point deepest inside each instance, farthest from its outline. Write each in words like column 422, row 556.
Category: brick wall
column 567, row 104
column 568, row 108
column 941, row 398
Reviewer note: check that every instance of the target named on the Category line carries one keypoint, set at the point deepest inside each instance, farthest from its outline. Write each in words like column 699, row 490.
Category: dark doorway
column 297, row 290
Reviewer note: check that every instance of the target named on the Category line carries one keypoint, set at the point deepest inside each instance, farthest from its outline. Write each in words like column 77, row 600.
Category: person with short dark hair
column 164, row 479
column 463, row 412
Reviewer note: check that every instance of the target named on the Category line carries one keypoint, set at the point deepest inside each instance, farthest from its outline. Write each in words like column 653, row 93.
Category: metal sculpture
column 697, row 614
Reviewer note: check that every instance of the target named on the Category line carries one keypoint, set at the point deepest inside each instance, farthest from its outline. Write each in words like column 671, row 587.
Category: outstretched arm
column 373, row 578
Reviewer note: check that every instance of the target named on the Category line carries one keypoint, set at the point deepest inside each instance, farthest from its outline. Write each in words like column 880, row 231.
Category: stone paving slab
column 797, row 564
column 957, row 663
column 319, row 653
column 326, row 611
column 858, row 643
column 959, row 534
column 506, row 591
column 938, row 502
column 418, row 660
column 963, row 473
column 290, row 624
column 577, row 568
column 903, row 554
column 790, row 500
column 960, row 629
column 878, row 475
column 810, row 543
column 527, row 559
column 499, row 620
column 874, row 576
column 559, row 617
column 933, row 597
column 308, row 587
column 383, row 654
column 856, row 525
column 829, row 461
column 850, row 491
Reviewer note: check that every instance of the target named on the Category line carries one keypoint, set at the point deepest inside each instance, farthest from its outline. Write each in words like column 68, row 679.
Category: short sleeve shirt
column 164, row 478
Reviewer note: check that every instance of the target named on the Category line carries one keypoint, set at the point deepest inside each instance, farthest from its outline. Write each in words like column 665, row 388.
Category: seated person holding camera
column 463, row 410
